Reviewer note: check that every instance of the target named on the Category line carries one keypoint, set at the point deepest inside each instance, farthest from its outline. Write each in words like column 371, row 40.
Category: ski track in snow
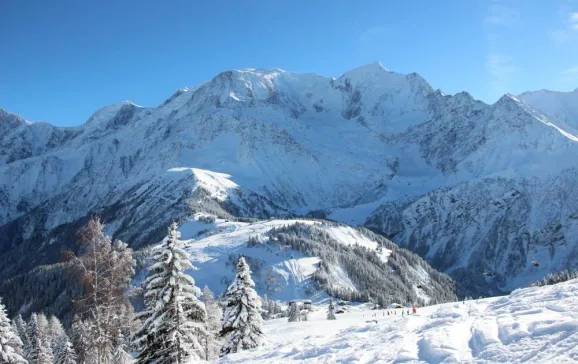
column 535, row 325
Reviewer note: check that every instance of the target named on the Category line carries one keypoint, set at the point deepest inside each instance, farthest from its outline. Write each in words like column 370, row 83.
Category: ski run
column 533, row 325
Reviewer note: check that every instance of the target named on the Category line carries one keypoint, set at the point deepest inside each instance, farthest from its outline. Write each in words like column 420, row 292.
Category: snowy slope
column 370, row 147
column 216, row 254
column 560, row 106
column 534, row 325
column 284, row 273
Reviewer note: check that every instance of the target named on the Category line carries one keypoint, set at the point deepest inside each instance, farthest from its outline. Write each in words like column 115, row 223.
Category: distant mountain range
column 470, row 187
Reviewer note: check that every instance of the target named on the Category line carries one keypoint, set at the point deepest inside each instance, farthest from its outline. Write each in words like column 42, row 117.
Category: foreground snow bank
column 537, row 325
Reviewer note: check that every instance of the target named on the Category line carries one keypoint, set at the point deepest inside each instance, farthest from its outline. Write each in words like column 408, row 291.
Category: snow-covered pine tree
column 268, row 307
column 213, row 326
column 265, row 306
column 40, row 351
column 331, row 310
column 294, row 314
column 44, row 326
column 64, row 351
column 174, row 320
column 55, row 332
column 277, row 308
column 22, row 331
column 120, row 355
column 10, row 343
column 79, row 337
column 242, row 321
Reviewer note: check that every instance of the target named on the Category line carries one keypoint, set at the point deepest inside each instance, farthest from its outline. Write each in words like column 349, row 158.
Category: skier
column 414, row 310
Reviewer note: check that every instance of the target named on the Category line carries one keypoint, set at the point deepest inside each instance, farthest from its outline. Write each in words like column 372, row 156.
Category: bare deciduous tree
column 105, row 270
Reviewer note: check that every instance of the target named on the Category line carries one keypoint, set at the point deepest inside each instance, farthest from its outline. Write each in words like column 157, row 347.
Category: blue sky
column 62, row 60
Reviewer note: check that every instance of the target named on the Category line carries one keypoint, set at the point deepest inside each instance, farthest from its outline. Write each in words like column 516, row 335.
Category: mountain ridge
column 294, row 144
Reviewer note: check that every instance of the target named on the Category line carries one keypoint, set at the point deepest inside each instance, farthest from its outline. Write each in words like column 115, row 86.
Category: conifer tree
column 294, row 314
column 55, row 332
column 277, row 308
column 174, row 320
column 21, row 329
column 213, row 326
column 121, row 356
column 64, row 351
column 331, row 310
column 79, row 338
column 40, row 351
column 10, row 343
column 242, row 321
column 47, row 333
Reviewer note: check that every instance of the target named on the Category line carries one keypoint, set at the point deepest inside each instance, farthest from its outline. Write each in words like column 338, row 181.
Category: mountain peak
column 507, row 100
column 369, row 70
column 261, row 71
column 11, row 119
column 112, row 112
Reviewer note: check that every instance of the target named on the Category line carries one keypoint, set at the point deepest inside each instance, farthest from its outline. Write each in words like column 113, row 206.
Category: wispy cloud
column 502, row 15
column 569, row 30
column 499, row 64
column 571, row 71
column 569, row 77
column 574, row 21
column 501, row 68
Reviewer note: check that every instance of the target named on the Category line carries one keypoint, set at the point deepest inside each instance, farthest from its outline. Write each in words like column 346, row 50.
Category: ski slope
column 280, row 272
column 534, row 325
column 283, row 275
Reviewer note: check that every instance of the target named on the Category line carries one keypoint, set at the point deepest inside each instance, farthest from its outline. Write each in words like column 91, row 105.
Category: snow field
column 535, row 325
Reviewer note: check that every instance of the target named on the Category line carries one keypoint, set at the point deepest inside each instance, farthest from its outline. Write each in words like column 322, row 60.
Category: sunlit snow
column 534, row 325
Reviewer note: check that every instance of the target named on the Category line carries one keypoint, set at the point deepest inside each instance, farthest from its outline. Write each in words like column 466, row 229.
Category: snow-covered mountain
column 469, row 186
column 532, row 325
column 559, row 106
column 305, row 259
